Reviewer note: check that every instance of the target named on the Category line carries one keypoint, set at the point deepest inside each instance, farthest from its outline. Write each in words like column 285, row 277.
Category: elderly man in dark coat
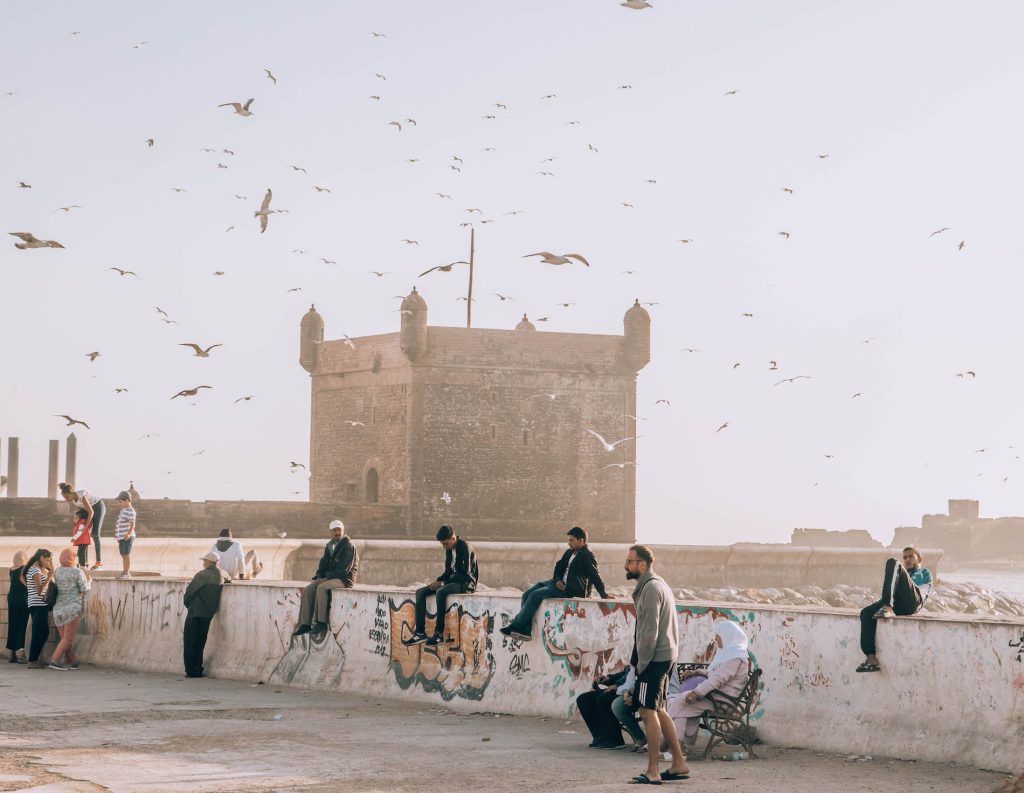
column 202, row 599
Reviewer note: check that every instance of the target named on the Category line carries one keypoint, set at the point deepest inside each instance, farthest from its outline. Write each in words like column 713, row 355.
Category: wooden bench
column 729, row 720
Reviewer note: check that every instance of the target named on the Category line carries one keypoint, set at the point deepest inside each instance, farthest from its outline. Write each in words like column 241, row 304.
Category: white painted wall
column 951, row 689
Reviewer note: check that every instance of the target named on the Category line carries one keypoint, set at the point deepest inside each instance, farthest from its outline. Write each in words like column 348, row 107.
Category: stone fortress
column 481, row 428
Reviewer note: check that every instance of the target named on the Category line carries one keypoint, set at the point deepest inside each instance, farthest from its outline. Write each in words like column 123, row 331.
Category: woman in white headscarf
column 727, row 673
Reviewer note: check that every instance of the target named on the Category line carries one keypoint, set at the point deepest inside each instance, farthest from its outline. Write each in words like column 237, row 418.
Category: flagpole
column 469, row 297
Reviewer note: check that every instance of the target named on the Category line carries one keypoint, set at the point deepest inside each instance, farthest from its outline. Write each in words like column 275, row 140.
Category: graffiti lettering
column 380, row 634
column 589, row 654
column 519, row 665
column 461, row 666
column 1019, row 644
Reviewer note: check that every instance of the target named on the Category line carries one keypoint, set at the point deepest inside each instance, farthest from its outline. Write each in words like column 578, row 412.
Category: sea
column 1007, row 578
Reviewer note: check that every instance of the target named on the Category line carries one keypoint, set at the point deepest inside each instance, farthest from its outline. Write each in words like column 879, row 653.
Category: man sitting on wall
column 234, row 560
column 460, row 575
column 575, row 573
column 337, row 570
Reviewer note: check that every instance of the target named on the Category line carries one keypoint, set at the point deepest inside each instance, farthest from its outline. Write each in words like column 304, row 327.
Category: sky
column 915, row 104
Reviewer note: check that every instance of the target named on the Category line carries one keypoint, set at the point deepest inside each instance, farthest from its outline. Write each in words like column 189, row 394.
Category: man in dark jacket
column 595, row 706
column 460, row 575
column 202, row 599
column 337, row 570
column 575, row 573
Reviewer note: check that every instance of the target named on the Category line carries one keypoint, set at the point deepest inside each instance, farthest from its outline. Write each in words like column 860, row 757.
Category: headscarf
column 734, row 643
column 20, row 557
column 67, row 557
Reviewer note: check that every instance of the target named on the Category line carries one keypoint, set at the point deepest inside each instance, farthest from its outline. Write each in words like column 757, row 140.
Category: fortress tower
column 483, row 429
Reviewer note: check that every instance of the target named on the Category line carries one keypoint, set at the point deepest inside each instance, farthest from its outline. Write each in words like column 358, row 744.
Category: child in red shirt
column 81, row 536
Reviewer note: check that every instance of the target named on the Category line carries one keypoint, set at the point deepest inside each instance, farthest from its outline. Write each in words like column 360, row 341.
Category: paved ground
column 99, row 730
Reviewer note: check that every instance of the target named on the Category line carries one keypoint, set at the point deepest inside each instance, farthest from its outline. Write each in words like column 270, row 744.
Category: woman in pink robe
column 727, row 672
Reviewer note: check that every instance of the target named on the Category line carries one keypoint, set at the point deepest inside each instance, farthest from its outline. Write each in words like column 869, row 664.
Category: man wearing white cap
column 202, row 599
column 337, row 570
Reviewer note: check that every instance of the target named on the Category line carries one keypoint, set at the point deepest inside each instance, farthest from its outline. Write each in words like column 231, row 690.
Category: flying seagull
column 70, row 421
column 726, row 424
column 92, row 356
column 199, row 351
column 636, row 5
column 794, row 379
column 123, row 272
column 190, row 391
column 443, row 268
column 245, row 398
column 270, row 76
column 552, row 258
column 620, row 466
column 295, row 465
column 240, row 109
column 610, row 447
column 67, row 208
column 264, row 211
column 29, row 240
column 939, row 231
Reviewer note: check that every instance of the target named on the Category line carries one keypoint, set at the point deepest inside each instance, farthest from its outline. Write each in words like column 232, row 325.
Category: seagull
column 245, row 398
column 620, row 466
column 190, row 391
column 446, row 498
column 546, row 173
column 150, row 142
column 624, row 87
column 123, row 272
column 514, row 212
column 161, row 311
column 636, row 5
column 294, row 289
column 747, row 315
column 70, row 421
column 627, row 205
column 543, row 319
column 199, row 351
column 552, row 258
column 381, row 76
column 295, row 465
column 297, row 168
column 348, row 341
column 565, row 305
column 822, row 156
column 443, row 195
column 29, row 240
column 549, row 96
column 149, row 435
column 689, row 349
column 264, row 211
column 180, row 189
column 856, row 395
column 774, row 365
column 379, row 35
column 828, row 456
column 379, row 273
column 395, row 124
column 939, row 231
column 960, row 247
column 240, row 109
column 411, row 242
column 24, row 185
column 733, row 92
column 663, row 402
column 784, row 234
column 120, row 390
column 270, row 77
column 593, row 148
column 374, row 97
column 219, row 272
column 501, row 297
column 138, row 45
column 736, row 365
column 794, row 379
column 168, row 321
column 92, row 356
column 354, row 423
column 444, row 268
column 724, row 425
column 68, row 208
column 328, row 261
column 321, row 189
column 610, row 447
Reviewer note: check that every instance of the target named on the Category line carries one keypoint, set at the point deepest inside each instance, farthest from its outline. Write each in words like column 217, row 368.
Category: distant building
column 963, row 535
column 480, row 428
column 823, row 538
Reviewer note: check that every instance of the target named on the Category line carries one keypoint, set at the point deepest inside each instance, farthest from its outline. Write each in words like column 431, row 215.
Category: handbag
column 51, row 594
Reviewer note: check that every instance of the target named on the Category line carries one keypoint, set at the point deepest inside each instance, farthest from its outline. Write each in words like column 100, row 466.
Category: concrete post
column 51, row 474
column 12, row 467
column 70, row 459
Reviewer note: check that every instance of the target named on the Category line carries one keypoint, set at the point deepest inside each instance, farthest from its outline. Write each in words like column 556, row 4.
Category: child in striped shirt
column 124, row 531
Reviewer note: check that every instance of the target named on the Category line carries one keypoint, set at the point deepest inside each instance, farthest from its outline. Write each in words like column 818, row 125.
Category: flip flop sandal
column 671, row 776
column 643, row 779
column 866, row 667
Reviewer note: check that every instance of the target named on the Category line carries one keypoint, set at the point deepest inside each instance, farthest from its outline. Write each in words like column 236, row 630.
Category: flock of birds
column 248, row 110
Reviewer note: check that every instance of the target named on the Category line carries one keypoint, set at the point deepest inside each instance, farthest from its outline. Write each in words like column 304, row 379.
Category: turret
column 637, row 329
column 414, row 325
column 311, row 333
column 525, row 324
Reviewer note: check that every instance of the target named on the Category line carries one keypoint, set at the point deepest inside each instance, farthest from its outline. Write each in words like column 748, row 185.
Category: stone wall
column 926, row 704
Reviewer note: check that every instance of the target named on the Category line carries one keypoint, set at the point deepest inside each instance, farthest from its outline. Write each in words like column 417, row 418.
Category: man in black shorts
column 655, row 645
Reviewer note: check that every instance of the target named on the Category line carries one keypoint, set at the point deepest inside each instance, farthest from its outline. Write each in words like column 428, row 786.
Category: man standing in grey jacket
column 655, row 645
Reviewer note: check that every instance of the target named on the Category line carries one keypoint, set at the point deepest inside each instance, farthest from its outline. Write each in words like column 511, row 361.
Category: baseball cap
column 124, row 495
column 336, row 524
column 210, row 557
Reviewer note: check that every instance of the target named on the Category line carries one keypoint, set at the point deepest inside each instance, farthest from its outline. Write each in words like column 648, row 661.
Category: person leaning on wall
column 202, row 599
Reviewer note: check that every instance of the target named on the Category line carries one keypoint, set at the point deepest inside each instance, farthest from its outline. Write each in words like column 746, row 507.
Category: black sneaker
column 416, row 638
column 506, row 631
column 435, row 640
column 319, row 627
column 301, row 629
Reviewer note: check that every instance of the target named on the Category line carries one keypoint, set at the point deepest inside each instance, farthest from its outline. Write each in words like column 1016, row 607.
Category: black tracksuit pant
column 899, row 593
column 596, row 709
column 40, row 631
column 441, row 597
column 196, row 631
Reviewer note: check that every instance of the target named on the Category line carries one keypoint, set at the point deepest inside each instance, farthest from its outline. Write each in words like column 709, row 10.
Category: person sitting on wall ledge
column 575, row 574
column 902, row 595
column 460, row 576
column 337, row 570
column 234, row 560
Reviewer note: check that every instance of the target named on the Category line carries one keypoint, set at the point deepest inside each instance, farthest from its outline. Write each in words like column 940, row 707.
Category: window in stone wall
column 372, row 486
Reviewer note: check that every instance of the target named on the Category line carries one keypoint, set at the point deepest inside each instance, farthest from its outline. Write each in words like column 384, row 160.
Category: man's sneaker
column 300, row 629
column 435, row 640
column 125, row 575
column 506, row 631
column 59, row 665
column 73, row 666
column 416, row 638
column 319, row 627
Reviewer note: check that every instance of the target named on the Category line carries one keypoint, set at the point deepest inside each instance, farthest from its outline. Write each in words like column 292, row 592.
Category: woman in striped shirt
column 36, row 575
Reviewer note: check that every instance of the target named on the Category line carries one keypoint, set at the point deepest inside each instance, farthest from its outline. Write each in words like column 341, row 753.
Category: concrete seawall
column 517, row 564
column 952, row 689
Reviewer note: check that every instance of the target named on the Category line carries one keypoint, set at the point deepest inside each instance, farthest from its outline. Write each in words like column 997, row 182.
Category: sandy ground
column 100, row 730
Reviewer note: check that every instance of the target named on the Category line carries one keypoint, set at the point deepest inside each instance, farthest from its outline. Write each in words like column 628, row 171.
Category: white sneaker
column 125, row 575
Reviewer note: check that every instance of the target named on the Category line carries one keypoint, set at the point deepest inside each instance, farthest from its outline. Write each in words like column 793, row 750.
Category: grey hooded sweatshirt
column 657, row 630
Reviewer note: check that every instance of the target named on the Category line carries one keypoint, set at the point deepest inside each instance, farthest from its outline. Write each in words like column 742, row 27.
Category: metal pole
column 469, row 297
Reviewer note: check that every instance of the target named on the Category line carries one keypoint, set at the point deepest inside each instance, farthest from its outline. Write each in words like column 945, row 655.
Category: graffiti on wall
column 316, row 659
column 590, row 639
column 136, row 609
column 519, row 658
column 1019, row 644
column 460, row 666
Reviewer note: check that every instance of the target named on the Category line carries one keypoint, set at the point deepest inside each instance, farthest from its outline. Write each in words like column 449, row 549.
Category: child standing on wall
column 81, row 536
column 905, row 588
column 124, row 531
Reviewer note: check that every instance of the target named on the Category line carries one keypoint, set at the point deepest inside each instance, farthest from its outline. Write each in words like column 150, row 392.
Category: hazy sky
column 916, row 104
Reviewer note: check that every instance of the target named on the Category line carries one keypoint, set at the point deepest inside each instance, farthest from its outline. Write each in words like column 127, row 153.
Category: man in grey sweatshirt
column 655, row 645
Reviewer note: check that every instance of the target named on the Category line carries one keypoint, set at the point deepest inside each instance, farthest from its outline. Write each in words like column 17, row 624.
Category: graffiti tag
column 1019, row 644
column 380, row 635
column 460, row 666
